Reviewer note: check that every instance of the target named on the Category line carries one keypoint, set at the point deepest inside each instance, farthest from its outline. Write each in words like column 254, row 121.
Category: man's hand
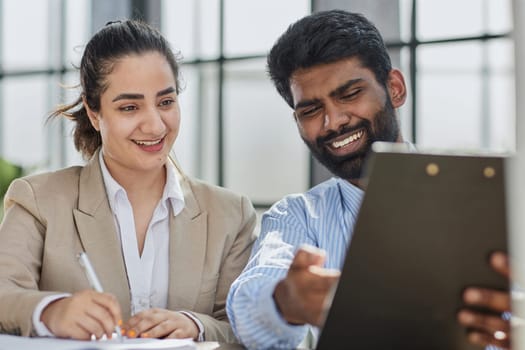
column 302, row 295
column 488, row 328
column 83, row 314
column 161, row 323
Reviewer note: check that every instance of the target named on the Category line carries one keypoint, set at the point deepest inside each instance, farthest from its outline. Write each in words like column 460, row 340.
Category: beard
column 383, row 127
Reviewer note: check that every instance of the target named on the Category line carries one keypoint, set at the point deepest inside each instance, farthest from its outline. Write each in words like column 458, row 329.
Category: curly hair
column 327, row 37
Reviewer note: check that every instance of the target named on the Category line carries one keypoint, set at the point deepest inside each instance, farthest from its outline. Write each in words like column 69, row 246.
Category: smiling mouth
column 148, row 143
column 347, row 140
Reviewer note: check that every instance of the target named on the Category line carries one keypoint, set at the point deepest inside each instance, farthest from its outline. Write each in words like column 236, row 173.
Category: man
column 333, row 70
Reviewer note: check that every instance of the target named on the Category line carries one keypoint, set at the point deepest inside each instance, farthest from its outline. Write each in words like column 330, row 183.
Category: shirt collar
column 348, row 189
column 172, row 189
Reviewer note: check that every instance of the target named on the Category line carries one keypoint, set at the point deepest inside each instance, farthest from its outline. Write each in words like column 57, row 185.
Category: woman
column 165, row 247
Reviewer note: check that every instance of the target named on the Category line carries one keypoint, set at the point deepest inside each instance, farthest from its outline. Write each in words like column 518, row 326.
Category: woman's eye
column 128, row 108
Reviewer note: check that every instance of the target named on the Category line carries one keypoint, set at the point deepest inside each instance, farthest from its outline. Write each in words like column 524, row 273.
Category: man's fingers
column 485, row 339
column 322, row 278
column 483, row 322
column 500, row 263
column 489, row 298
column 308, row 255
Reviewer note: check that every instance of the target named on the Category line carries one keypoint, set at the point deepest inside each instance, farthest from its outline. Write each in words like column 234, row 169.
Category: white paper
column 10, row 342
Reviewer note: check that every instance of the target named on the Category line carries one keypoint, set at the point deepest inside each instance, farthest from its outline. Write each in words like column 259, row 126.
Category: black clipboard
column 427, row 224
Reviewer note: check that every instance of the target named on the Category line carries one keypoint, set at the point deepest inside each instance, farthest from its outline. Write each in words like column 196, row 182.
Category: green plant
column 8, row 172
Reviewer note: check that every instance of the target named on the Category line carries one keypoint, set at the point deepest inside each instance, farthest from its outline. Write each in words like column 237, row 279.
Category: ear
column 396, row 88
column 93, row 117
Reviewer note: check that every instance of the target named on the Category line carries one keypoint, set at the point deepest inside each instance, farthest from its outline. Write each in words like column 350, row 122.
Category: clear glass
column 192, row 27
column 25, row 102
column 501, row 89
column 405, row 17
column 251, row 27
column 451, row 18
column 25, row 34
column 264, row 156
column 466, row 96
column 197, row 144
column 60, row 132
column 500, row 19
column 77, row 34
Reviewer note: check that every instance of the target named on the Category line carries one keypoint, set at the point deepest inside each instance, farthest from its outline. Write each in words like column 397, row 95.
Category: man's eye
column 309, row 112
column 350, row 95
column 166, row 102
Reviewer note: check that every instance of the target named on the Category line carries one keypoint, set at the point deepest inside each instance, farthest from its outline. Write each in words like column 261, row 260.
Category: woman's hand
column 161, row 323
column 82, row 315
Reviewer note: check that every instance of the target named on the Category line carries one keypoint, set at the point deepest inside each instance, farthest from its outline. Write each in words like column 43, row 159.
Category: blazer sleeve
column 22, row 235
column 216, row 326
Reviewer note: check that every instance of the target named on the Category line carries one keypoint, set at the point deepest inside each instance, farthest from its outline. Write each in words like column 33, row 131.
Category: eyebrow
column 129, row 96
column 337, row 91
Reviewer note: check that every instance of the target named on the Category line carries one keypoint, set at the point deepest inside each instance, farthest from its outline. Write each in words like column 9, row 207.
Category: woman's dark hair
column 111, row 43
column 327, row 37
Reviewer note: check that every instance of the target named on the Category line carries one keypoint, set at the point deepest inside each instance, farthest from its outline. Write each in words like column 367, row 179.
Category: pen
column 93, row 281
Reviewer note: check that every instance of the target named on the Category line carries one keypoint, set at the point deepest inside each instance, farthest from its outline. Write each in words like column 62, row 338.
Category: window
column 236, row 130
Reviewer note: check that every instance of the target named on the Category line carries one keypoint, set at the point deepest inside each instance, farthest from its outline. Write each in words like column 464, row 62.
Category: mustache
column 321, row 140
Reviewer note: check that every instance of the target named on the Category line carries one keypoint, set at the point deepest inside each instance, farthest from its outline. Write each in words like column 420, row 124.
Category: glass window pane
column 500, row 19
column 192, row 27
column 451, row 18
column 251, row 27
column 78, row 13
column 24, row 108
column 196, row 146
column 25, row 34
column 61, row 147
column 466, row 95
column 501, row 89
column 405, row 17
column 465, row 101
column 449, row 95
column 265, row 157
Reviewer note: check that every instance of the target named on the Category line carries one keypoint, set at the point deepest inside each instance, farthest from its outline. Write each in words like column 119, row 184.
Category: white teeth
column 147, row 143
column 351, row 138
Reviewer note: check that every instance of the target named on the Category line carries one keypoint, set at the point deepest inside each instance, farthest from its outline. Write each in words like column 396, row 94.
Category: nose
column 335, row 118
column 152, row 122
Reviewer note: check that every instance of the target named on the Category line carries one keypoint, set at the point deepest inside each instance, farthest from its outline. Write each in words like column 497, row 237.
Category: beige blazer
column 51, row 217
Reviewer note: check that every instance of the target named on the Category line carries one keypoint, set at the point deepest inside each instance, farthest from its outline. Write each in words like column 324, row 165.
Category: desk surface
column 209, row 345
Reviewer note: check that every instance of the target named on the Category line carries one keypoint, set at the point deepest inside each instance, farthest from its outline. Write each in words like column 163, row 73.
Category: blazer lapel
column 188, row 240
column 98, row 235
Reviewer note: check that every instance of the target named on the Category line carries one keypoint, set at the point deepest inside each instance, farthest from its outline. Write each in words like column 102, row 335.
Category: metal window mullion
column 413, row 68
column 220, row 102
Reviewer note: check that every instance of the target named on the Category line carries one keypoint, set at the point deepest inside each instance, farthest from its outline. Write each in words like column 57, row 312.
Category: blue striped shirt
column 323, row 217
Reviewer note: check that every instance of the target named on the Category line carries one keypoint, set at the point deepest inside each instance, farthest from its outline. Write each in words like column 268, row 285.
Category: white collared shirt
column 148, row 273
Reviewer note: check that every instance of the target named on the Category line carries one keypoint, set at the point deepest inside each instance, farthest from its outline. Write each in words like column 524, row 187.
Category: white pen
column 93, row 281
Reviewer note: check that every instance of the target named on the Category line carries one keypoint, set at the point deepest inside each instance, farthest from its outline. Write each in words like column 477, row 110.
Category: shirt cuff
column 269, row 312
column 197, row 322
column 39, row 326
